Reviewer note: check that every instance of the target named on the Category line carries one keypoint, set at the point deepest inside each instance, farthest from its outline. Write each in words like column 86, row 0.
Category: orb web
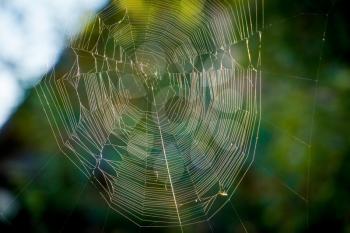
column 160, row 105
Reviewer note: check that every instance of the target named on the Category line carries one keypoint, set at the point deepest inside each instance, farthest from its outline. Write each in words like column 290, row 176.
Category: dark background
column 299, row 181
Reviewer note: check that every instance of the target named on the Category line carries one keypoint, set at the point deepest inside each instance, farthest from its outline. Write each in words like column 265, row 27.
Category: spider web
column 304, row 84
column 161, row 108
